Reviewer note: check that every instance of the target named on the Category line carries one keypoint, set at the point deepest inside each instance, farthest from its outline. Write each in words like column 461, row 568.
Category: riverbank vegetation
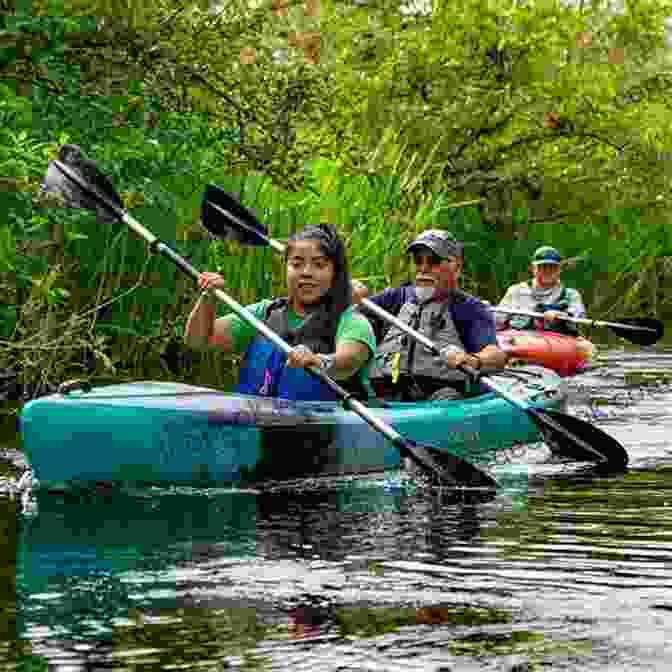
column 512, row 126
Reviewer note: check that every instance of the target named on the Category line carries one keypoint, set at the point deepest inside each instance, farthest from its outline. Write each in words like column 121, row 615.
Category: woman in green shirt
column 316, row 318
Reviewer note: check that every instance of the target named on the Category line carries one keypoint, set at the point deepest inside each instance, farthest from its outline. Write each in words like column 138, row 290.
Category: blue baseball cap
column 546, row 255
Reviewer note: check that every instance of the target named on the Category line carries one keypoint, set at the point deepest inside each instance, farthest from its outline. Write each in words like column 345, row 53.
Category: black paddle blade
column 81, row 185
column 651, row 330
column 448, row 469
column 579, row 440
column 225, row 218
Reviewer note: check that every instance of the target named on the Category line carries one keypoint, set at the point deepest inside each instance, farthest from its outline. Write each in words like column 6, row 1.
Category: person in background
column 544, row 294
column 461, row 326
column 316, row 318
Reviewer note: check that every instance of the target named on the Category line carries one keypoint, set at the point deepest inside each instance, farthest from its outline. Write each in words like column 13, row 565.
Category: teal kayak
column 172, row 433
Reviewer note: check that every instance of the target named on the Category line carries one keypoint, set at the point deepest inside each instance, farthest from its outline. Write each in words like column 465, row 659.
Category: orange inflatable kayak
column 566, row 355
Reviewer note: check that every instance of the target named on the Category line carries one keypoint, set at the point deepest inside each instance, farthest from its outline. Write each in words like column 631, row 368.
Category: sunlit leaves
column 494, row 91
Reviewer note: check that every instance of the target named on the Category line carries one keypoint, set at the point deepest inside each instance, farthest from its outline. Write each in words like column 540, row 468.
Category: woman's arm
column 355, row 345
column 348, row 358
column 203, row 331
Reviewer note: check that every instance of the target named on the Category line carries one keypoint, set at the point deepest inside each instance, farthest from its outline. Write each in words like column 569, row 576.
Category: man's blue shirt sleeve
column 476, row 324
column 390, row 299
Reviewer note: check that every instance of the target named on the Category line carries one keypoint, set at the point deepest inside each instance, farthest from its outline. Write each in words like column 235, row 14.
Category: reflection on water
column 8, row 602
column 561, row 570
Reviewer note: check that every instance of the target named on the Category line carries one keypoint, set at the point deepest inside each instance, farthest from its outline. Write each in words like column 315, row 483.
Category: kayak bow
column 566, row 355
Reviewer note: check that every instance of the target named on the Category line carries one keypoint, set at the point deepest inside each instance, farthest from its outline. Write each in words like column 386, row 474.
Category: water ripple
column 562, row 570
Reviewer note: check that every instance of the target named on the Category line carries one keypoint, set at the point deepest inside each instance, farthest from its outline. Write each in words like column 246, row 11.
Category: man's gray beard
column 424, row 293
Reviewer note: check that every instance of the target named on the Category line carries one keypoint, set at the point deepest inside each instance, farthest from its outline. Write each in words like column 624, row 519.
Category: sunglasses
column 432, row 259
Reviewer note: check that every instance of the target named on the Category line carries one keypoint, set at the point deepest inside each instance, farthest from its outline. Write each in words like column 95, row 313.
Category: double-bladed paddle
column 81, row 185
column 226, row 218
column 639, row 330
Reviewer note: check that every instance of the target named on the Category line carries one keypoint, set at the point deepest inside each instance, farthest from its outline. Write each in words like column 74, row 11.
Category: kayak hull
column 566, row 355
column 171, row 433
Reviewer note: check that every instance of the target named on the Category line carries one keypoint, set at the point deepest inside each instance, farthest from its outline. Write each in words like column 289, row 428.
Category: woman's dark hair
column 339, row 297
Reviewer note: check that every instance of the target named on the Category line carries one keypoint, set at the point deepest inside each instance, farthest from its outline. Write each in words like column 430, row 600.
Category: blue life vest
column 559, row 326
column 264, row 373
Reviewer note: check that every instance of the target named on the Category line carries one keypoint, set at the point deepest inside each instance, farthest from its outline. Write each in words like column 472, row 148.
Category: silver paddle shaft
column 568, row 318
column 388, row 317
column 219, row 294
column 489, row 382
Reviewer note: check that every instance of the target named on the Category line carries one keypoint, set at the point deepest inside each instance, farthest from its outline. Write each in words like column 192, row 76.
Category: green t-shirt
column 352, row 326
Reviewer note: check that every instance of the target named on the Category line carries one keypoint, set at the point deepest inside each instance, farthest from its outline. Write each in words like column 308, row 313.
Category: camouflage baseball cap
column 442, row 243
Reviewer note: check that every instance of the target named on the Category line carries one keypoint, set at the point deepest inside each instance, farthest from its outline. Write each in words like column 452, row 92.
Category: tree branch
column 475, row 136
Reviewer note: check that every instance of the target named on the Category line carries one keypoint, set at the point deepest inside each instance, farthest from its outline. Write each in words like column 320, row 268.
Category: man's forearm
column 492, row 357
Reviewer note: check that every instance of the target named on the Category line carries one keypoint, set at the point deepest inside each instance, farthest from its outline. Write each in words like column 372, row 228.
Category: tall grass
column 73, row 286
column 132, row 304
column 619, row 264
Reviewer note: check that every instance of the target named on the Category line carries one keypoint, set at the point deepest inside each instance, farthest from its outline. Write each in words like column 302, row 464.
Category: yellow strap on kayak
column 395, row 365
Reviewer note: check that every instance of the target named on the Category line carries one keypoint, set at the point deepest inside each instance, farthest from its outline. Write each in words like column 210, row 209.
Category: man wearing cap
column 459, row 324
column 545, row 294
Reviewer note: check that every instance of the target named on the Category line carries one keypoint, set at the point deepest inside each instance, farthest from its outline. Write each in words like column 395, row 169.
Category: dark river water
column 560, row 570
